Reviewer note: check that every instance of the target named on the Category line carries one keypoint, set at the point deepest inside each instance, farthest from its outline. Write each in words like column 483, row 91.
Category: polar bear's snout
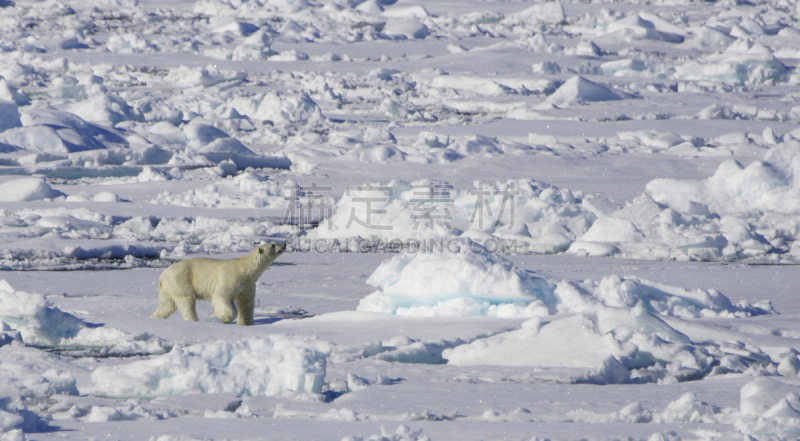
column 274, row 248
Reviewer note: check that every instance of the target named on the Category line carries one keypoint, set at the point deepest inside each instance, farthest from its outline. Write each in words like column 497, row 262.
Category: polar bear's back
column 198, row 277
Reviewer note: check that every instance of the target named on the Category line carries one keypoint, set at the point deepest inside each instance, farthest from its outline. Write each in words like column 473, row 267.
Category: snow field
column 133, row 136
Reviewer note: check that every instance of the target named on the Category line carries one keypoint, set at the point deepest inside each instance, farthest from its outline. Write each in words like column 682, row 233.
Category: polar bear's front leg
column 223, row 308
column 246, row 303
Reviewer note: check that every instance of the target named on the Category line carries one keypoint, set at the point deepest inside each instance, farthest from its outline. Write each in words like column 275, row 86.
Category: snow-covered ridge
column 531, row 215
column 738, row 213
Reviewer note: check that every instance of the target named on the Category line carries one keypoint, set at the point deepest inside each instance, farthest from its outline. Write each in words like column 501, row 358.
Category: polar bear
column 220, row 281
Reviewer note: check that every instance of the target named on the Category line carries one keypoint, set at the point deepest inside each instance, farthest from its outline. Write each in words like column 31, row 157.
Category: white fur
column 220, row 281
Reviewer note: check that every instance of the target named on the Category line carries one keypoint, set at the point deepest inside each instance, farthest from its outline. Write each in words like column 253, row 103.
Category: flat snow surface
column 505, row 220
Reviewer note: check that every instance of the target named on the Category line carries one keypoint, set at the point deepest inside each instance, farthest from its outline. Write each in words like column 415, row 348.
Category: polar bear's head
column 270, row 251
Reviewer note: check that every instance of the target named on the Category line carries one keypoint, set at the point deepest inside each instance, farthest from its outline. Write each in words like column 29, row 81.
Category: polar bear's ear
column 261, row 251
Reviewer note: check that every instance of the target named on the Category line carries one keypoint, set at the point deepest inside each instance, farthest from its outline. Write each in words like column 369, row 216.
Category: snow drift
column 255, row 366
column 42, row 325
column 737, row 213
column 27, row 189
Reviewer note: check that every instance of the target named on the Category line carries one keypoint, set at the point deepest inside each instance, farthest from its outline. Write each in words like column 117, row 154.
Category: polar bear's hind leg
column 165, row 306
column 186, row 306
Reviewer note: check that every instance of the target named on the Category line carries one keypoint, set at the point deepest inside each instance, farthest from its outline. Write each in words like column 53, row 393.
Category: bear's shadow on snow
column 256, row 322
column 267, row 320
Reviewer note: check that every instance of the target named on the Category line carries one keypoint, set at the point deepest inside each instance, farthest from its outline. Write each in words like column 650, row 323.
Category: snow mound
column 453, row 285
column 208, row 76
column 658, row 298
column 406, row 29
column 537, row 345
column 10, row 93
column 742, row 63
column 256, row 366
column 256, row 47
column 737, row 213
column 40, row 324
column 282, row 110
column 578, row 90
column 739, row 111
column 615, row 345
column 769, row 410
column 645, row 26
column 611, row 229
column 29, row 373
column 105, row 196
column 131, row 43
column 382, row 154
column 770, row 185
column 27, row 189
column 113, row 251
column 85, row 235
column 550, row 13
column 403, row 433
column 106, row 109
column 688, row 408
column 16, row 419
column 151, row 174
column 207, row 141
column 708, row 36
column 49, row 130
column 759, row 396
